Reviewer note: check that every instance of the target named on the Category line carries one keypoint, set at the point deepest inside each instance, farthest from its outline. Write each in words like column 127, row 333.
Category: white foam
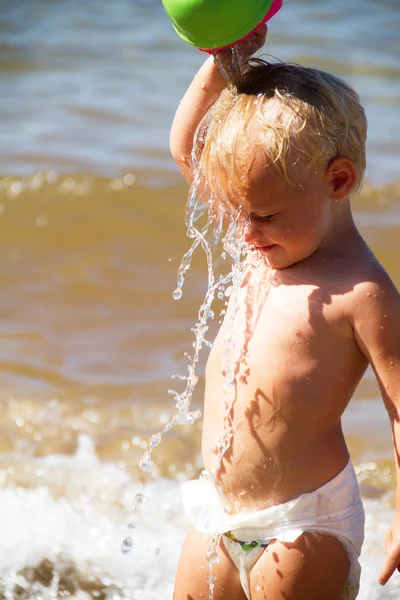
column 378, row 518
column 77, row 528
column 84, row 529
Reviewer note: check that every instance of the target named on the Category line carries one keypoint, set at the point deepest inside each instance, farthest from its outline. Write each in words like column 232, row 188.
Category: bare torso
column 296, row 363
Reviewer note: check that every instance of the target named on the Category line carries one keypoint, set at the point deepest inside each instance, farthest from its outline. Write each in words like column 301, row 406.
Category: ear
column 341, row 177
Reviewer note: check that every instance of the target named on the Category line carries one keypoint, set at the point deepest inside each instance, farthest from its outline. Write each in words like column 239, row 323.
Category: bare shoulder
column 373, row 290
column 374, row 312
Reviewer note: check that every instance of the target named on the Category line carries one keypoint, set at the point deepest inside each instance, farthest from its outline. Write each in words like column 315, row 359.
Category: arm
column 202, row 93
column 204, row 90
column 377, row 329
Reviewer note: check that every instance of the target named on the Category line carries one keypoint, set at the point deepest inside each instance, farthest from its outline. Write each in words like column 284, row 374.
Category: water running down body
column 207, row 236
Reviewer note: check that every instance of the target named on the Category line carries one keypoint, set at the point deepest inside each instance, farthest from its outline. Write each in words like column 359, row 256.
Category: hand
column 254, row 43
column 392, row 551
column 248, row 46
column 230, row 64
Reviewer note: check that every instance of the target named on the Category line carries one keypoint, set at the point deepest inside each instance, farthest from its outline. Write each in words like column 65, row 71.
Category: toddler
column 283, row 151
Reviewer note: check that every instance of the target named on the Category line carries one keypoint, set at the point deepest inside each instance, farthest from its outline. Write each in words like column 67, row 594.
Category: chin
column 279, row 265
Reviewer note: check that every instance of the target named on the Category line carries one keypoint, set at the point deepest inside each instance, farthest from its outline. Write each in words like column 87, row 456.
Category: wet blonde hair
column 300, row 118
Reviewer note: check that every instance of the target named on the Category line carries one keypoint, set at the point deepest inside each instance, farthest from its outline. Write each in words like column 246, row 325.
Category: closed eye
column 262, row 218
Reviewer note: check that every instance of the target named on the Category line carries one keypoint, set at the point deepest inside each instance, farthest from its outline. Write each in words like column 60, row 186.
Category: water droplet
column 212, row 558
column 257, row 588
column 177, row 294
column 139, row 499
column 131, row 525
column 220, row 296
column 145, row 464
column 127, row 544
column 155, row 440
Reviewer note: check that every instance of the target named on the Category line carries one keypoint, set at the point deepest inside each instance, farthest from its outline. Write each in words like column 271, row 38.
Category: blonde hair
column 303, row 119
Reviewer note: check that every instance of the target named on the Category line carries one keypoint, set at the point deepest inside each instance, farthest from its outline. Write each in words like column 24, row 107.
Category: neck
column 342, row 230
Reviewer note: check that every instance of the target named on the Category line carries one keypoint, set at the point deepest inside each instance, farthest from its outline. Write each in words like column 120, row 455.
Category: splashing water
column 127, row 544
column 212, row 559
column 231, row 62
column 208, row 236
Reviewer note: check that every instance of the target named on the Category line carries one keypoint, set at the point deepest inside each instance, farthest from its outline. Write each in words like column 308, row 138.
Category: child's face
column 285, row 222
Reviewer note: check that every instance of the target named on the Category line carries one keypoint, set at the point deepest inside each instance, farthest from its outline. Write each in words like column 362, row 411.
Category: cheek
column 307, row 221
column 297, row 232
column 290, row 228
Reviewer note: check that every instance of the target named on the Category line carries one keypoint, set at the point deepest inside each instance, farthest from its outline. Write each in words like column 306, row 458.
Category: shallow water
column 91, row 235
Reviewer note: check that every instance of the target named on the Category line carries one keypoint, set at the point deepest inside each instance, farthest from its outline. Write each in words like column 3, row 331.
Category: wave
column 62, row 537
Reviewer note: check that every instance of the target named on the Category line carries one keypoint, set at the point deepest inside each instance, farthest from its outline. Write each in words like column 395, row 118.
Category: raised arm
column 377, row 329
column 204, row 90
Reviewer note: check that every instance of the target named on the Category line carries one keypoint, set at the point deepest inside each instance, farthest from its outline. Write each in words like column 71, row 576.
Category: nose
column 251, row 233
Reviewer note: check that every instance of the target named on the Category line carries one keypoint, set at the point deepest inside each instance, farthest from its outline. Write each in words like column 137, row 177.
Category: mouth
column 265, row 248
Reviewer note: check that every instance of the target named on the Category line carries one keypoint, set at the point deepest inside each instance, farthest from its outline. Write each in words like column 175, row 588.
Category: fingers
column 246, row 48
column 253, row 43
column 257, row 40
column 391, row 563
column 261, row 35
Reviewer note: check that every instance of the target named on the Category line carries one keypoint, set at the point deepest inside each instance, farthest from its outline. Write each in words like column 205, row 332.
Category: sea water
column 88, row 337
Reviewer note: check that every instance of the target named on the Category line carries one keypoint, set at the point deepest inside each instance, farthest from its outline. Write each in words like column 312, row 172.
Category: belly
column 261, row 469
column 275, row 433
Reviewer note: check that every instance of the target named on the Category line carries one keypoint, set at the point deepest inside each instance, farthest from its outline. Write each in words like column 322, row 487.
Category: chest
column 279, row 323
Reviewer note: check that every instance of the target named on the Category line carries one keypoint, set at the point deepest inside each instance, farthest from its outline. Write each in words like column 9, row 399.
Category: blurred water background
column 91, row 234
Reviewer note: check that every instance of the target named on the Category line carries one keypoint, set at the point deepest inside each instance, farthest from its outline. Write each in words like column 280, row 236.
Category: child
column 285, row 151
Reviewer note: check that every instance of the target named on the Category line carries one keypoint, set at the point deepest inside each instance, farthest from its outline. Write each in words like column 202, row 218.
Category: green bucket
column 211, row 24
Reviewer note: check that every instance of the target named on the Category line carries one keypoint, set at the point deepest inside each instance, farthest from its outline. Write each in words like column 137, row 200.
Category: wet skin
column 296, row 359
column 296, row 364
